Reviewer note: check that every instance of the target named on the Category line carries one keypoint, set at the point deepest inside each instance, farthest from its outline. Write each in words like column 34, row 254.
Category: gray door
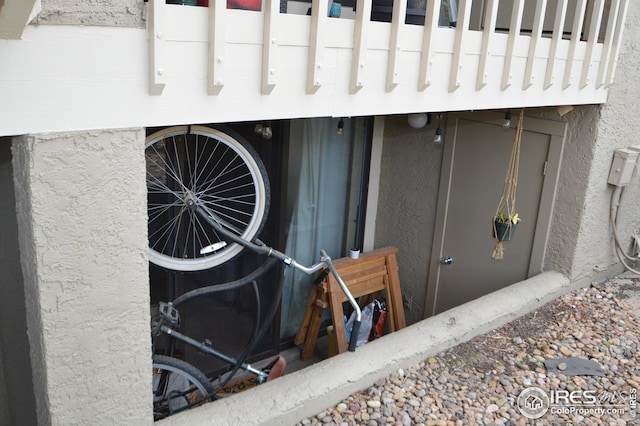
column 476, row 154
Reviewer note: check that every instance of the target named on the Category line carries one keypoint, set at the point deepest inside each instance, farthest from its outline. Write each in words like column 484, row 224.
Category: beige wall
column 81, row 208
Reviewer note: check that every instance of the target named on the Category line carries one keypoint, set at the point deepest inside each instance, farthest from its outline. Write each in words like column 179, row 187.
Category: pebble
column 455, row 388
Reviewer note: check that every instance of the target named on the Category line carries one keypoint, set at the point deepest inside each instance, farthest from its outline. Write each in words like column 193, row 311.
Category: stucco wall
column 410, row 174
column 81, row 210
column 112, row 13
column 618, row 127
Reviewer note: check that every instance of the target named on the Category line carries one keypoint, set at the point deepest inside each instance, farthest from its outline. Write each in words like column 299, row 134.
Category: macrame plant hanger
column 507, row 204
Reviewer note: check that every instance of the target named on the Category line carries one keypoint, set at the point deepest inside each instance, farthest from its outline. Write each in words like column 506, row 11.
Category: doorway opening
column 318, row 170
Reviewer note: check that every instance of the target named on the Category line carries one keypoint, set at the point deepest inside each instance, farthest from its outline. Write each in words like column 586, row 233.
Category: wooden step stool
column 370, row 274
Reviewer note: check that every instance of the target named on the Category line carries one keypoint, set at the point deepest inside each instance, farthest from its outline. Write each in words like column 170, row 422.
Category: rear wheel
column 197, row 167
column 177, row 386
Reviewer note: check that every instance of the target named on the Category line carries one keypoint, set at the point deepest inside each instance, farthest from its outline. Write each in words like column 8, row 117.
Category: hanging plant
column 504, row 226
column 506, row 217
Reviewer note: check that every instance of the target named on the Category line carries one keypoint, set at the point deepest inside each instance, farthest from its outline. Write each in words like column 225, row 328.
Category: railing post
column 608, row 41
column 269, row 46
column 594, row 31
column 360, row 37
column 514, row 32
column 558, row 30
column 576, row 33
column 617, row 39
column 157, row 48
column 536, row 33
column 216, row 48
column 316, row 44
column 490, row 18
column 395, row 45
column 458, row 46
column 432, row 14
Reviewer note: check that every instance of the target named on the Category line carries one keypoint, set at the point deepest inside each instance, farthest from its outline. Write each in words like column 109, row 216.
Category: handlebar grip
column 355, row 331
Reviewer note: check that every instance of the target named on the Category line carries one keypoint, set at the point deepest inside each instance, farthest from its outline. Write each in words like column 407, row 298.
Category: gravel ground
column 480, row 381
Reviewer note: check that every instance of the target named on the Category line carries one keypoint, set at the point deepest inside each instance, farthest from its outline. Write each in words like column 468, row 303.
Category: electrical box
column 623, row 167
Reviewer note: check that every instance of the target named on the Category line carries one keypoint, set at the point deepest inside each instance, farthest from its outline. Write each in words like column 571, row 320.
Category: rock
column 565, row 351
column 492, row 408
column 374, row 403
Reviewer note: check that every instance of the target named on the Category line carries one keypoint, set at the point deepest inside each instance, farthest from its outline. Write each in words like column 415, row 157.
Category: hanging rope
column 506, row 211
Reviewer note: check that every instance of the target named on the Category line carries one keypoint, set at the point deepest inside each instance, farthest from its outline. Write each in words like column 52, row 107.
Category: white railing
column 210, row 65
column 409, row 67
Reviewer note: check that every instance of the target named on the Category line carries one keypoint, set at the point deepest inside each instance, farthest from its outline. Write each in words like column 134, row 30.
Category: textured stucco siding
column 108, row 13
column 617, row 126
column 410, row 175
column 81, row 208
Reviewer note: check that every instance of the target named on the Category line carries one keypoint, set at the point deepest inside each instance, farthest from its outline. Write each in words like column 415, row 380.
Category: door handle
column 446, row 260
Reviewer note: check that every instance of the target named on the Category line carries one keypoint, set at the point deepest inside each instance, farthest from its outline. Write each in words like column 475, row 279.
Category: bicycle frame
column 261, row 248
column 169, row 311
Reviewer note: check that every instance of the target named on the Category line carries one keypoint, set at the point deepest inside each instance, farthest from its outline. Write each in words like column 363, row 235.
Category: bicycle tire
column 213, row 169
column 177, row 386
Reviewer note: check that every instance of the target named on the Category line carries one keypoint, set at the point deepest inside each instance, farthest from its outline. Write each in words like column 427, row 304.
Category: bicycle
column 208, row 199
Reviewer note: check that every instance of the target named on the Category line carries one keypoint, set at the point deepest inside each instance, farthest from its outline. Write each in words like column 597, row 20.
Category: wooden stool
column 372, row 273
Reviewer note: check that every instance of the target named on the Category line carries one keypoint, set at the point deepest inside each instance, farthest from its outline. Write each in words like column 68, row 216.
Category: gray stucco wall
column 115, row 13
column 410, row 174
column 618, row 127
column 81, row 208
column 17, row 403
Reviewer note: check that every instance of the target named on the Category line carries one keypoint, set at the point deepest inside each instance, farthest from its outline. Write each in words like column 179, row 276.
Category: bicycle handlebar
column 261, row 248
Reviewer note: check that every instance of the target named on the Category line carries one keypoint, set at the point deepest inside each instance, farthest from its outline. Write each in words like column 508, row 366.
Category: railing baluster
column 397, row 23
column 558, row 31
column 157, row 48
column 536, row 33
column 458, row 46
column 269, row 45
column 594, row 32
column 316, row 44
column 613, row 56
column 359, row 58
column 490, row 18
column 432, row 14
column 216, row 48
column 514, row 32
column 608, row 41
column 576, row 33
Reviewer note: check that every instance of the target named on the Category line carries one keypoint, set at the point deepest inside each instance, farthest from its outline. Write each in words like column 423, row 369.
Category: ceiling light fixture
column 437, row 139
column 506, row 124
column 418, row 120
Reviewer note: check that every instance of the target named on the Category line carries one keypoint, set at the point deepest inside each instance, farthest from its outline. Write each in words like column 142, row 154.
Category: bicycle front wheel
column 177, row 386
column 197, row 167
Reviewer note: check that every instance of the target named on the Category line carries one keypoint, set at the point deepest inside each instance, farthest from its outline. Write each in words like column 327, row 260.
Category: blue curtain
column 318, row 185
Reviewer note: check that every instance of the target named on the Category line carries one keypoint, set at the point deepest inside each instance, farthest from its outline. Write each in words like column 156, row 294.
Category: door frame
column 556, row 131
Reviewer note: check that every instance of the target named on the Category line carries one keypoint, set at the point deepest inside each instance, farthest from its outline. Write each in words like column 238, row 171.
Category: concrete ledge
column 304, row 393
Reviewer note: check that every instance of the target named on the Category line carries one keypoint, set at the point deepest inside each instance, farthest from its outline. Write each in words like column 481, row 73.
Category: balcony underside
column 70, row 78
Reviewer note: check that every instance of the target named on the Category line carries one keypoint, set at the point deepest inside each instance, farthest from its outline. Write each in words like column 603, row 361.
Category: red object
column 237, row 4
column 380, row 324
column 244, row 4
